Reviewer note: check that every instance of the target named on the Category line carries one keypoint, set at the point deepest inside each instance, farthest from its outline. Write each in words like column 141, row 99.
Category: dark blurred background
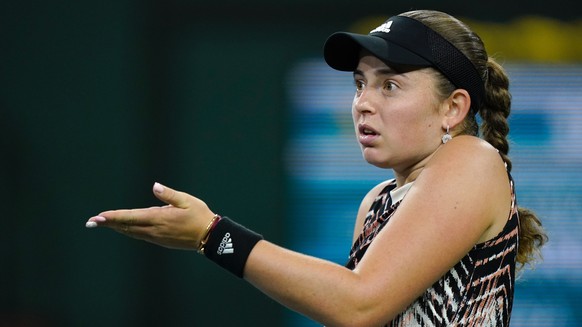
column 100, row 99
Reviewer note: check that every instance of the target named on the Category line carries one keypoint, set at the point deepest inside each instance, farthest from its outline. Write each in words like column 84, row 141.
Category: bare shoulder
column 467, row 164
column 469, row 146
column 471, row 155
column 470, row 172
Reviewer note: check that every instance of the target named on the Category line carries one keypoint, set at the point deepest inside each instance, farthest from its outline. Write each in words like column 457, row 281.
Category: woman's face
column 396, row 114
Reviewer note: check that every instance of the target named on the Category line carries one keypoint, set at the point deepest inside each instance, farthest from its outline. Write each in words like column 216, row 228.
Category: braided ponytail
column 494, row 129
column 494, row 110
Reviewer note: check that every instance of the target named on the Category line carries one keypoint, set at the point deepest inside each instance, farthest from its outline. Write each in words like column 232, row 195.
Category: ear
column 456, row 108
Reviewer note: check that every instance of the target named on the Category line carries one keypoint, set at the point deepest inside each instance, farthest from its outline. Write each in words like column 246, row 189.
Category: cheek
column 355, row 114
column 409, row 127
column 401, row 120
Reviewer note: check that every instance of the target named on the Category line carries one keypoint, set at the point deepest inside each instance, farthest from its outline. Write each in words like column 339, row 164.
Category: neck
column 403, row 179
column 411, row 173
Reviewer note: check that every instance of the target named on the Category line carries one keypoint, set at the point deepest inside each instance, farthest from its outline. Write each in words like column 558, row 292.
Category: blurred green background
column 100, row 99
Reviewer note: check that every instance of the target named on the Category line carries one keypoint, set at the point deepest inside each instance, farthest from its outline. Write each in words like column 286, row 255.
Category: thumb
column 170, row 196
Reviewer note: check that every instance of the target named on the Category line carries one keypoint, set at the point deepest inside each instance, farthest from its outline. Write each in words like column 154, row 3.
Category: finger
column 121, row 219
column 121, row 223
column 94, row 221
column 170, row 196
column 135, row 231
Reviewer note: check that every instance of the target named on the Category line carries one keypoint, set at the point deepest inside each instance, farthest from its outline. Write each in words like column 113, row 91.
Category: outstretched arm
column 449, row 209
column 276, row 271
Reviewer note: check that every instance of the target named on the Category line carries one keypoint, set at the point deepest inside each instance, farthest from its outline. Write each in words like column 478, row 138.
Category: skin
column 460, row 197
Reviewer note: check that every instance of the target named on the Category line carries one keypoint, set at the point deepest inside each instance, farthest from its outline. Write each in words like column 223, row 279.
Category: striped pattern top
column 477, row 291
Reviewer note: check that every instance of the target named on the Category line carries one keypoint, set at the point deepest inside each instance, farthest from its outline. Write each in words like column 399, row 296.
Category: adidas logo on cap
column 226, row 246
column 385, row 28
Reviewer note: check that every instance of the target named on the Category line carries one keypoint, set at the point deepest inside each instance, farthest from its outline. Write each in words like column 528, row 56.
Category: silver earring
column 447, row 137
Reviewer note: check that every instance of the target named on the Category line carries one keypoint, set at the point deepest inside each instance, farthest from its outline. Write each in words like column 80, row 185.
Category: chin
column 374, row 161
column 383, row 165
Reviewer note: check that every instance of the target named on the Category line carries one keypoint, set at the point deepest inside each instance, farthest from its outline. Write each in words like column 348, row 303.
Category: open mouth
column 367, row 131
column 367, row 135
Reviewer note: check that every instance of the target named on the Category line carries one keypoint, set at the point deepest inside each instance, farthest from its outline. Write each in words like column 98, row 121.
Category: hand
column 180, row 224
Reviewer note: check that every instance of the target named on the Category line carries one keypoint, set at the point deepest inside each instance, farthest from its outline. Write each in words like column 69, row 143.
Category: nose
column 364, row 102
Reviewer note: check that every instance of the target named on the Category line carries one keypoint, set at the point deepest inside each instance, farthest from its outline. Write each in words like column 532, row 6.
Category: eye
column 390, row 85
column 359, row 84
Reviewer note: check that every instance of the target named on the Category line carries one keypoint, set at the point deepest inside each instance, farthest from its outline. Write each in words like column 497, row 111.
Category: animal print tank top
column 477, row 291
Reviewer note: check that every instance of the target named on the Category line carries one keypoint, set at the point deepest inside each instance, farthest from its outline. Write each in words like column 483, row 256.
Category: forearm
column 319, row 289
